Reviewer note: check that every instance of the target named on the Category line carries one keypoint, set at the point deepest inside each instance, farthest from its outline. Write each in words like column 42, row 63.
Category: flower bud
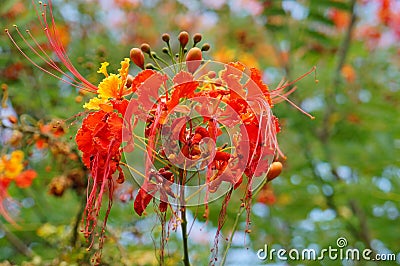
column 197, row 38
column 183, row 38
column 193, row 59
column 12, row 119
column 145, row 48
column 274, row 170
column 165, row 50
column 205, row 47
column 165, row 37
column 137, row 57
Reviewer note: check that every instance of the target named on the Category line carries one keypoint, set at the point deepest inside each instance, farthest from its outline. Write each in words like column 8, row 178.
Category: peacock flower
column 202, row 117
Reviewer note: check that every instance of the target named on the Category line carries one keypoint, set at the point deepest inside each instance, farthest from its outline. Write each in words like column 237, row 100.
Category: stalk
column 182, row 181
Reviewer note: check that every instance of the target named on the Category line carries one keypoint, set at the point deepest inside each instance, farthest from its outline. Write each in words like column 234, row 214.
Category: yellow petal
column 103, row 68
column 94, row 103
column 17, row 155
column 124, row 70
column 109, row 87
column 2, row 166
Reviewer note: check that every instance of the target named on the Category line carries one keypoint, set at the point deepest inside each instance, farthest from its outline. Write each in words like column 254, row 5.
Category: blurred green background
column 342, row 173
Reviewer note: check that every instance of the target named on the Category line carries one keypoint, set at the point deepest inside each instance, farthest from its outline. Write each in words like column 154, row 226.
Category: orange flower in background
column 11, row 165
column 24, row 179
column 11, row 170
column 267, row 195
column 385, row 13
column 340, row 18
column 348, row 73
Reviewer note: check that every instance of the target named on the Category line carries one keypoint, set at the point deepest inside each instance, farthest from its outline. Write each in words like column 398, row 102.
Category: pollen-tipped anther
column 137, row 57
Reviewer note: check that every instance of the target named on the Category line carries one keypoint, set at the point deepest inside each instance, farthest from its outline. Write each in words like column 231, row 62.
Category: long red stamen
column 278, row 92
column 35, row 64
column 58, row 48
column 47, row 60
column 53, row 38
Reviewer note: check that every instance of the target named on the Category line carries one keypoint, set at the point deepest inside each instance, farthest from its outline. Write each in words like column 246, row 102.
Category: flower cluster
column 12, row 170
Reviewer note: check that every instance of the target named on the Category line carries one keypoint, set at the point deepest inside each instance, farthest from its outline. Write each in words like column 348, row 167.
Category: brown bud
column 183, row 38
column 15, row 138
column 129, row 80
column 165, row 50
column 165, row 37
column 274, row 170
column 145, row 48
column 197, row 38
column 13, row 119
column 137, row 56
column 205, row 47
column 193, row 59
column 58, row 185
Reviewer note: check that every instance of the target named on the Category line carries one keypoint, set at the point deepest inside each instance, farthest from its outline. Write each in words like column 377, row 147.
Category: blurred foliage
column 342, row 173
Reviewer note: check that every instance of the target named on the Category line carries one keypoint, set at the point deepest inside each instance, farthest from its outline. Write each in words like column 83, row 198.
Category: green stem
column 78, row 219
column 182, row 177
column 16, row 242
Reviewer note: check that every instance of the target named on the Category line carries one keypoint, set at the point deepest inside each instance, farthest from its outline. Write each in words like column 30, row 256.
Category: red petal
column 140, row 78
column 142, row 199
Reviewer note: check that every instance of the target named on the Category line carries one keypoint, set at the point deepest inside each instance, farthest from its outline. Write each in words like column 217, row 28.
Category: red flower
column 24, row 179
column 158, row 182
column 99, row 139
column 98, row 130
